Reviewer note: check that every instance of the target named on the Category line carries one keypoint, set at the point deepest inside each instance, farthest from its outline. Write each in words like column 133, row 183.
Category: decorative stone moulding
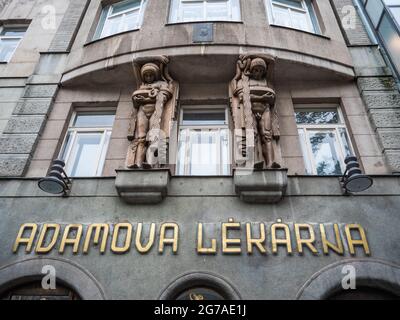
column 261, row 186
column 142, row 186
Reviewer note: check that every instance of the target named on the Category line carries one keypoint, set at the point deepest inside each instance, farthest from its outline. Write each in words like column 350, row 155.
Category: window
column 85, row 145
column 324, row 140
column 120, row 17
column 10, row 37
column 204, row 10
column 204, row 142
column 391, row 38
column 297, row 14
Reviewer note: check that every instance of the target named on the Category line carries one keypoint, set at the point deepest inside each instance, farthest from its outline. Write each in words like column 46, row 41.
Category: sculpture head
column 258, row 68
column 150, row 72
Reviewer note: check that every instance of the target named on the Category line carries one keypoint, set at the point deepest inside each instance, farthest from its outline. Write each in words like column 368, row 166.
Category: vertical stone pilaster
column 376, row 84
column 22, row 131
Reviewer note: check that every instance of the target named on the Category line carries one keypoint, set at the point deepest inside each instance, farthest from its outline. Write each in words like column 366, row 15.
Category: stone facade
column 62, row 69
column 377, row 85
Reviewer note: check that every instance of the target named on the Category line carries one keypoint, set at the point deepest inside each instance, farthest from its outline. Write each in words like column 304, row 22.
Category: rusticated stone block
column 382, row 101
column 40, row 91
column 377, row 84
column 390, row 139
column 17, row 144
column 33, row 107
column 393, row 158
column 13, row 165
column 385, row 118
column 18, row 124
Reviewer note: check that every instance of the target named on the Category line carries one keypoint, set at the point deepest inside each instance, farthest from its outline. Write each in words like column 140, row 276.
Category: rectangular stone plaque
column 203, row 32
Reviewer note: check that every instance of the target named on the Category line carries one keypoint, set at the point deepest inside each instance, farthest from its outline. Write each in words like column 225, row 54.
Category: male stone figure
column 153, row 109
column 253, row 110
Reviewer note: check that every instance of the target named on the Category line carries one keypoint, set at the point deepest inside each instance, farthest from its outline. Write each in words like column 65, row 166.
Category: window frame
column 19, row 38
column 308, row 156
column 312, row 18
column 178, row 16
column 106, row 14
column 72, row 131
column 219, row 127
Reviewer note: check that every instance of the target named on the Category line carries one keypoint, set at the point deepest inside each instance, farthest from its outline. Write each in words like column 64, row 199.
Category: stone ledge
column 142, row 186
column 263, row 186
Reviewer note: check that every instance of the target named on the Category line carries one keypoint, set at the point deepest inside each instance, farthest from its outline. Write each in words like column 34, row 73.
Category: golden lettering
column 259, row 243
column 354, row 242
column 227, row 243
column 329, row 245
column 200, row 248
column 28, row 241
column 71, row 241
column 98, row 227
column 164, row 240
column 150, row 242
column 305, row 242
column 40, row 244
column 114, row 244
column 276, row 241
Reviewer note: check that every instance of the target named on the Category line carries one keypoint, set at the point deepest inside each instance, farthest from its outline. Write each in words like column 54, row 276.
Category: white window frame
column 335, row 128
column 305, row 10
column 176, row 11
column 108, row 15
column 106, row 131
column 18, row 38
column 219, row 127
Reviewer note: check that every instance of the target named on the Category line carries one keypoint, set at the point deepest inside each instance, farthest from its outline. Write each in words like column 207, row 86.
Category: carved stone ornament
column 254, row 114
column 154, row 103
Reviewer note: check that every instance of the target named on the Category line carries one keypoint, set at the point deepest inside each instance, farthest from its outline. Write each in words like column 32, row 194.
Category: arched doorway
column 200, row 286
column 34, row 291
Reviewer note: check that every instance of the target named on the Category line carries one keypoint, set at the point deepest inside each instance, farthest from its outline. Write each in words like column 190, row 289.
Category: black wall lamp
column 353, row 179
column 57, row 181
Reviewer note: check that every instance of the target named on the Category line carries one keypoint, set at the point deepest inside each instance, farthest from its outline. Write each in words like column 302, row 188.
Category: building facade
column 205, row 142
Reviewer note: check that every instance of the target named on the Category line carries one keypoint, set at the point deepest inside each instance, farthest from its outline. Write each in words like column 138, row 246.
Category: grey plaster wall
column 211, row 201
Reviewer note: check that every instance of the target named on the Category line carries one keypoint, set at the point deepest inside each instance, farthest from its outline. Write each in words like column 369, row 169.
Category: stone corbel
column 142, row 186
column 261, row 186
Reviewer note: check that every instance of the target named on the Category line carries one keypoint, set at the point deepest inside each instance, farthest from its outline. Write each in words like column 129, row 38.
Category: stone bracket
column 260, row 186
column 142, row 186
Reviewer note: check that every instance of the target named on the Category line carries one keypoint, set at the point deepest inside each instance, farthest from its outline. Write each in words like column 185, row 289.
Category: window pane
column 325, row 154
column 307, row 160
column 225, row 163
column 111, row 26
column 125, row 5
column 391, row 39
column 131, row 21
column 85, row 155
column 374, row 9
column 300, row 20
column 66, row 146
column 317, row 117
column 396, row 13
column 344, row 137
column 192, row 11
column 203, row 153
column 94, row 120
column 282, row 16
column 292, row 3
column 217, row 10
column 182, row 150
column 18, row 32
column 203, row 117
column 7, row 48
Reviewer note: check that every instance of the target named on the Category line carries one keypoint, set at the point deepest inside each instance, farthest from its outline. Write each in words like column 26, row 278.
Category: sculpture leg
column 142, row 128
column 266, row 138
